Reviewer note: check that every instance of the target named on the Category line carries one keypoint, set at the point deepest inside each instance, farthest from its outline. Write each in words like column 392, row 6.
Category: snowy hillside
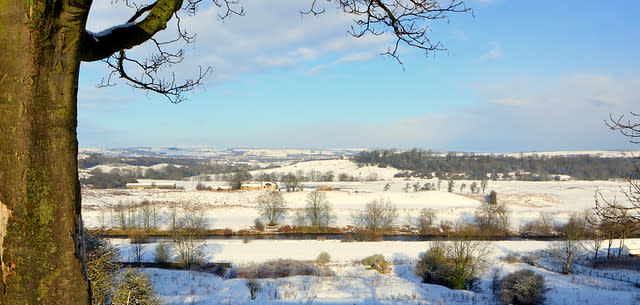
column 338, row 167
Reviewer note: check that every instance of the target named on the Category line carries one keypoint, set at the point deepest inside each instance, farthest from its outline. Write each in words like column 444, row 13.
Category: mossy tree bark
column 39, row 43
column 42, row 43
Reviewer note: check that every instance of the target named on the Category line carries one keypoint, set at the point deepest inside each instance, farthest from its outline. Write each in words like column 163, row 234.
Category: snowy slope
column 337, row 167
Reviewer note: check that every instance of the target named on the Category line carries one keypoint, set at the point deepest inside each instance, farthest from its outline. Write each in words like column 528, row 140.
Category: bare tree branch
column 97, row 46
column 408, row 20
column 147, row 73
column 609, row 212
column 627, row 128
column 313, row 10
column 149, row 79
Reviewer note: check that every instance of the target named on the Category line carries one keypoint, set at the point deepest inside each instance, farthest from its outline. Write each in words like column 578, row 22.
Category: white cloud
column 421, row 131
column 510, row 101
column 305, row 53
column 566, row 112
column 460, row 35
column 355, row 57
column 317, row 69
column 271, row 34
column 517, row 115
column 494, row 53
column 273, row 61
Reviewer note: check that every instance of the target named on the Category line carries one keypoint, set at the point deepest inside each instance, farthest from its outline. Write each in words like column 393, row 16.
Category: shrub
column 258, row 224
column 378, row 216
column 187, row 234
column 108, row 284
column 512, row 257
column 455, row 264
column 544, row 224
column 279, row 268
column 446, row 226
column 162, row 253
column 565, row 251
column 532, row 258
column 450, row 185
column 291, row 182
column 425, row 220
column 323, row 258
column 377, row 262
column 254, row 287
column 433, row 267
column 493, row 198
column 201, row 187
column 135, row 288
column 347, row 237
column 101, row 267
column 492, row 219
column 368, row 235
column 523, row 287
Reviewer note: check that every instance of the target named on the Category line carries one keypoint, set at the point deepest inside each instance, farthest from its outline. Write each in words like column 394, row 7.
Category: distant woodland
column 176, row 169
column 413, row 163
column 419, row 163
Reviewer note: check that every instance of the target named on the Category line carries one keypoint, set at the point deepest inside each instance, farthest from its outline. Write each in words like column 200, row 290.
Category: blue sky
column 517, row 76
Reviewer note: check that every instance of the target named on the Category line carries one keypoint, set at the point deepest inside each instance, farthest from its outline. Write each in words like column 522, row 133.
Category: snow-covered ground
column 237, row 210
column 354, row 284
column 337, row 167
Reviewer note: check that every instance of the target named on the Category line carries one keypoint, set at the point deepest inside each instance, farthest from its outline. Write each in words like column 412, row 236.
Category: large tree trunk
column 40, row 221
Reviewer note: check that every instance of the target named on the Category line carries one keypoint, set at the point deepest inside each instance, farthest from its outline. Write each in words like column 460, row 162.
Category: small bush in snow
column 368, row 235
column 566, row 251
column 135, row 288
column 102, row 268
column 162, row 253
column 109, row 285
column 455, row 264
column 279, row 268
column 523, row 287
column 493, row 198
column 512, row 257
column 377, row 262
column 532, row 258
column 323, row 258
column 254, row 287
column 188, row 230
column 258, row 224
column 201, row 187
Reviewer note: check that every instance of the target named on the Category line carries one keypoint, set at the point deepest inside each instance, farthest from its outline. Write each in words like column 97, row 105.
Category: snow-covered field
column 354, row 284
column 237, row 210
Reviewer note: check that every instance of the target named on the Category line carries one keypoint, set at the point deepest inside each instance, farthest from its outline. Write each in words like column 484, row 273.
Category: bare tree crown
column 407, row 20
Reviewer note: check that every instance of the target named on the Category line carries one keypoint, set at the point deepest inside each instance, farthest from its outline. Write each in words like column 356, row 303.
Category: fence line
column 597, row 273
